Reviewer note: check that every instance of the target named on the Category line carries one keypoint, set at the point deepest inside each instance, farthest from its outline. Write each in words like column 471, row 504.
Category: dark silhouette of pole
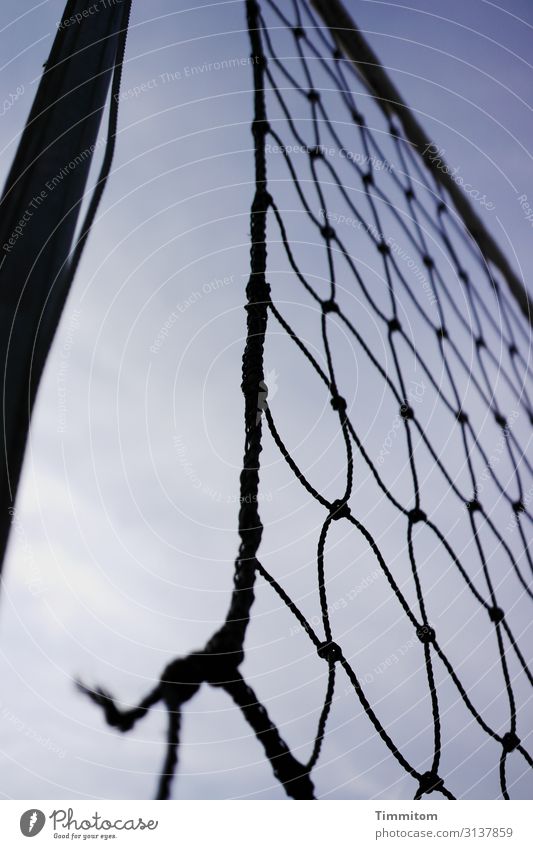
column 39, row 212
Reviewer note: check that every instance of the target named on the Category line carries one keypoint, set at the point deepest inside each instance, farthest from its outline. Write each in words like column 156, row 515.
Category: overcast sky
column 124, row 537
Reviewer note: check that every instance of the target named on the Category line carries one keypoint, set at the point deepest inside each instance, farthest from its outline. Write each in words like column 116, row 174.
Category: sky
column 124, row 536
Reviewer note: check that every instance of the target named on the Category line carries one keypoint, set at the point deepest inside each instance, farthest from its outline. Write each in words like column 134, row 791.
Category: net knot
column 368, row 179
column 327, row 232
column 313, row 96
column 417, row 515
column 409, row 194
column 462, row 275
column 329, row 651
column 330, row 306
column 510, row 741
column 357, row 117
column 383, row 248
column 260, row 60
column 480, row 343
column 181, row 680
column 263, row 199
column 393, row 130
column 298, row 32
column 428, row 261
column 473, row 506
column 338, row 403
column 407, row 412
column 426, row 634
column 500, row 420
column 337, row 53
column 513, row 350
column 496, row 614
column 441, row 207
column 339, row 510
column 461, row 417
column 430, row 782
column 261, row 292
column 260, row 127
column 518, row 506
column 315, row 152
column 219, row 667
column 394, row 325
column 442, row 333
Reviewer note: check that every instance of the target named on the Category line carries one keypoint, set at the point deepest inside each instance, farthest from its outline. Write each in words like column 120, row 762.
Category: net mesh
column 422, row 357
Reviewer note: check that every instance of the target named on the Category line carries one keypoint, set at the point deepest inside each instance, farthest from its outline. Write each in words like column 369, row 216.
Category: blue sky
column 124, row 535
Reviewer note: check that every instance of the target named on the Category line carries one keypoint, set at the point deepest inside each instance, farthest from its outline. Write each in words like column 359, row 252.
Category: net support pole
column 354, row 46
column 39, row 211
